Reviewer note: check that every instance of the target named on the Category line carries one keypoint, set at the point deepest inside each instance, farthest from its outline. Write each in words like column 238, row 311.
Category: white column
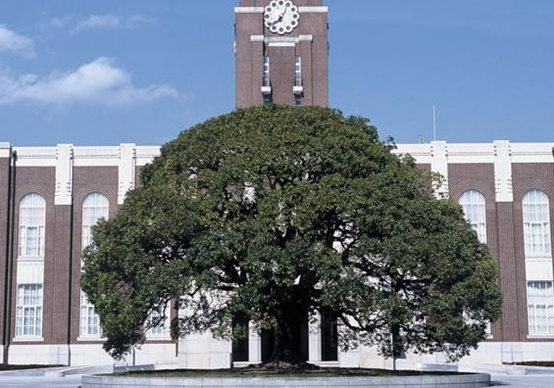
column 439, row 163
column 314, row 344
column 64, row 174
column 254, row 345
column 503, row 171
column 127, row 163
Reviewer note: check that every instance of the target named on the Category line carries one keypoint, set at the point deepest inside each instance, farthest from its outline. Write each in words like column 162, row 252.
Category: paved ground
column 524, row 381
column 42, row 382
column 75, row 381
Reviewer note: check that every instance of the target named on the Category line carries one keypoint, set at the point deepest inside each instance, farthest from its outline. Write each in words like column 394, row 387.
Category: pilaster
column 503, row 171
column 5, row 153
column 127, row 165
column 64, row 174
column 314, row 344
column 254, row 345
column 439, row 164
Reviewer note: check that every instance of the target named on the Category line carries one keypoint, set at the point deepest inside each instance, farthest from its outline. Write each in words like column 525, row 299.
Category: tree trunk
column 397, row 346
column 287, row 349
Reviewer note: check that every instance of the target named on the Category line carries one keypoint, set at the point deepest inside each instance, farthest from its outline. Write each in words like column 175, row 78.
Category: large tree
column 273, row 213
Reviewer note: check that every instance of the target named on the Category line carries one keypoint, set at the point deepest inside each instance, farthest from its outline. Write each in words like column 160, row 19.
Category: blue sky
column 106, row 72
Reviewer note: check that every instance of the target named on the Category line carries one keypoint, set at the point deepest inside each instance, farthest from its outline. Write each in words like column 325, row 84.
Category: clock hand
column 273, row 20
column 278, row 17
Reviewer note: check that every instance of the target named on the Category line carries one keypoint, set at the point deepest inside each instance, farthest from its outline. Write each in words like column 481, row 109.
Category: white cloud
column 111, row 22
column 56, row 23
column 99, row 82
column 16, row 43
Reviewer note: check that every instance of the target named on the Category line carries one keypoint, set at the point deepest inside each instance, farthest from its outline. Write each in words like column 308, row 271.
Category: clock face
column 281, row 16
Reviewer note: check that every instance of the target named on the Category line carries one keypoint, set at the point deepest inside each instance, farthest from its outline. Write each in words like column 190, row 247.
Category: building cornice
column 482, row 152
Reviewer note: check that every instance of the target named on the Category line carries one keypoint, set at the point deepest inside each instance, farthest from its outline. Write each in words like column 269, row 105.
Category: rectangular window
column 537, row 237
column 90, row 322
column 161, row 328
column 540, row 307
column 298, row 72
column 31, row 241
column 268, row 99
column 28, row 319
column 266, row 82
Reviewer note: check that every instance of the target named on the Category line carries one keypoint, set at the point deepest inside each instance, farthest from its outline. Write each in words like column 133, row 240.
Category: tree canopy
column 273, row 213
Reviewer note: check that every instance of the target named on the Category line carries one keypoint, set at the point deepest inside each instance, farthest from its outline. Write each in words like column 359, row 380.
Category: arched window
column 95, row 207
column 32, row 219
column 473, row 204
column 536, row 222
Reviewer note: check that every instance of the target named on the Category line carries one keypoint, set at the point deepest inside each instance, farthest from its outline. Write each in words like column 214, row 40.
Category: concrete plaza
column 75, row 381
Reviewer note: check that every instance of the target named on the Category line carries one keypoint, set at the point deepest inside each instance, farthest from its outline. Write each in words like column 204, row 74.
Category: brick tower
column 281, row 53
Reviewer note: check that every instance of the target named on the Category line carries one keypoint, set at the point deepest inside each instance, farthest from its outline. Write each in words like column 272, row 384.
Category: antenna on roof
column 434, row 123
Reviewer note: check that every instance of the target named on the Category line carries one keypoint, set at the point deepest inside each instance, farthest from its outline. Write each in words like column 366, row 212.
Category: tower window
column 298, row 87
column 266, row 83
column 266, row 77
column 298, row 72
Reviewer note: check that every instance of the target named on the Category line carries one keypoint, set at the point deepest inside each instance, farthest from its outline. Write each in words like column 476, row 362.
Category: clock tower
column 281, row 53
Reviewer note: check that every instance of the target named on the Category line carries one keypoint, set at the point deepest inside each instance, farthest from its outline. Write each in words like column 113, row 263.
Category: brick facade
column 64, row 175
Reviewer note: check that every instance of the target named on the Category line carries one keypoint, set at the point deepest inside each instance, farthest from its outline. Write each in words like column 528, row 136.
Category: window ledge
column 91, row 339
column 158, row 338
column 541, row 336
column 538, row 256
column 30, row 259
column 28, row 339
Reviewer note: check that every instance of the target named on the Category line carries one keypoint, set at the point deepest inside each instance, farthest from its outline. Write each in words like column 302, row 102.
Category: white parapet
column 5, row 150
